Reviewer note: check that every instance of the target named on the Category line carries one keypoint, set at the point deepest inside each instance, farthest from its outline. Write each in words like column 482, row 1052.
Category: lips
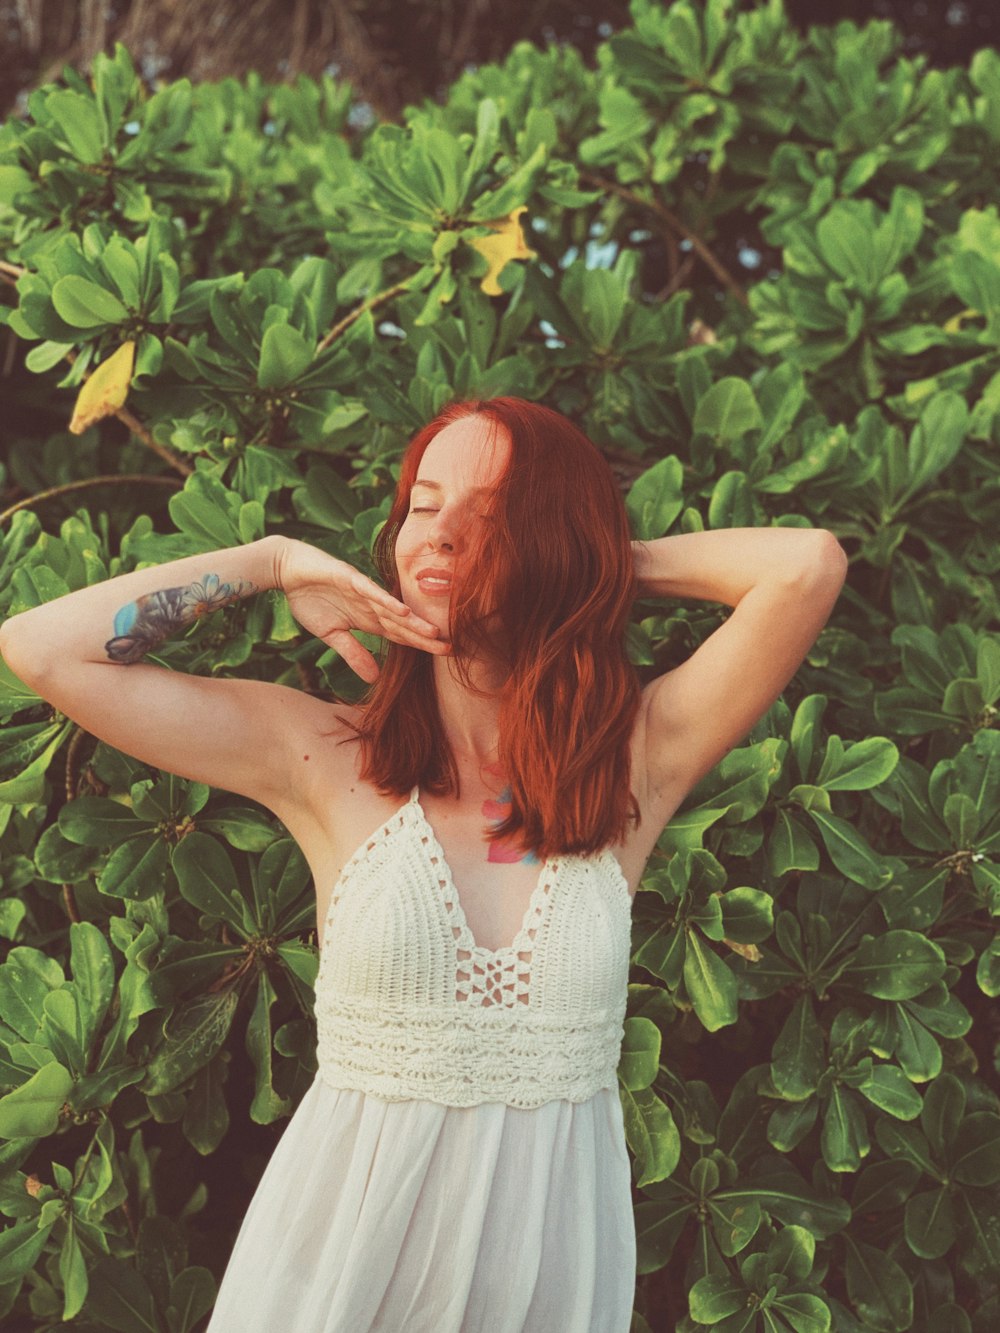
column 435, row 580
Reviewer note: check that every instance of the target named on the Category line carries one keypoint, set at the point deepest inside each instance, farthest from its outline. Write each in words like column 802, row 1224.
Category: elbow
column 831, row 556
column 16, row 657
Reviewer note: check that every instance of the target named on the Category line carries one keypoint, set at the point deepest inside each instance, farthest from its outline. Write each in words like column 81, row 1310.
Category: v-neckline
column 539, row 894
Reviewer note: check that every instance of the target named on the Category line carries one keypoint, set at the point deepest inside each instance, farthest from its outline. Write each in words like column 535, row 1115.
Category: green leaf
column 193, row 1293
column 790, row 846
column 120, row 1298
column 652, row 1135
column 747, row 915
column 799, row 1055
column 728, row 411
column 710, row 984
column 72, row 1274
column 640, row 1057
column 266, row 1106
column 929, row 1223
column 80, row 123
column 96, row 821
column 888, row 1088
column 844, row 1140
column 207, row 880
column 244, row 828
column 326, row 499
column 15, row 695
column 714, row 1298
column 975, row 1154
column 93, row 976
column 936, row 439
column 136, row 869
column 895, row 965
column 847, row 245
column 859, row 766
column 284, row 356
column 804, row 734
column 206, row 1119
column 32, row 1110
column 655, row 498
column 21, row 1245
column 192, row 1035
column 731, row 505
column 879, row 1289
column 282, row 876
column 85, row 305
column 33, row 746
column 849, row 851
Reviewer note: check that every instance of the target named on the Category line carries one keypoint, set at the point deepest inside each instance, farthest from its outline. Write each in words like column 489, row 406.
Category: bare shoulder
column 328, row 808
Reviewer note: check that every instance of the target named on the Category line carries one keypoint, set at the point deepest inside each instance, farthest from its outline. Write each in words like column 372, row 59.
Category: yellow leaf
column 954, row 325
column 505, row 244
column 105, row 390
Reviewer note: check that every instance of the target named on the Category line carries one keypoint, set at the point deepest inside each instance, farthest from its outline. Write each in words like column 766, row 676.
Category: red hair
column 555, row 565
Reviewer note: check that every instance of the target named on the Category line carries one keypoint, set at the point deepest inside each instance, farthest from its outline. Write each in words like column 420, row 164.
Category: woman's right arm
column 82, row 654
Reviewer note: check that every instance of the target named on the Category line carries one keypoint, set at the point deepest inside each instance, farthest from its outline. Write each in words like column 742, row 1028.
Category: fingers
column 395, row 616
column 409, row 629
column 355, row 654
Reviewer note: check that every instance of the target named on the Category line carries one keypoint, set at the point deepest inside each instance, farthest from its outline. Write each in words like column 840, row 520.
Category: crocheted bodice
column 409, row 1006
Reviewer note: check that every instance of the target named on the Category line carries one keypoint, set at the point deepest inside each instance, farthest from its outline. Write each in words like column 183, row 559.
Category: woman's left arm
column 782, row 584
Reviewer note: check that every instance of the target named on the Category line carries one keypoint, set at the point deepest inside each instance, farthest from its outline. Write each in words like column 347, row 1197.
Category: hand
column 329, row 598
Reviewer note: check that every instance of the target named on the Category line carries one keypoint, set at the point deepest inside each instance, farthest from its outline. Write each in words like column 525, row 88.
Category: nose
column 444, row 532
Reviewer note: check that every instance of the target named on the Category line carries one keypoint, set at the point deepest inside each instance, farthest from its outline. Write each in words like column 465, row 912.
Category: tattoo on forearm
column 154, row 616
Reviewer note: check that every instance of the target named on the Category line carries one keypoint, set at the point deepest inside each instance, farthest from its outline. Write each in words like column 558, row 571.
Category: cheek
column 405, row 545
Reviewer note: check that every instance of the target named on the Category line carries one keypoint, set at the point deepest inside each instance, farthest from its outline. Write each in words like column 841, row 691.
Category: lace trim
column 428, row 1055
column 485, row 976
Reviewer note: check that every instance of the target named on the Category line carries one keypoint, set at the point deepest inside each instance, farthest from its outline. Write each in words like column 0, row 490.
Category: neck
column 470, row 720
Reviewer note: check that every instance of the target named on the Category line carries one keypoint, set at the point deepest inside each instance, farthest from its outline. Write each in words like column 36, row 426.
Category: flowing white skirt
column 413, row 1217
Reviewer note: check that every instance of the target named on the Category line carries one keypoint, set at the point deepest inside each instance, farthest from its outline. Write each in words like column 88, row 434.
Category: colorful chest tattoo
column 496, row 811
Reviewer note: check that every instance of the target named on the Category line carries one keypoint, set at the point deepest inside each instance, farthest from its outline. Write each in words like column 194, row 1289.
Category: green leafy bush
column 809, row 1073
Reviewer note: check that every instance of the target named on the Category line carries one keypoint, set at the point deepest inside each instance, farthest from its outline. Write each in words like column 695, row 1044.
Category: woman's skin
column 272, row 743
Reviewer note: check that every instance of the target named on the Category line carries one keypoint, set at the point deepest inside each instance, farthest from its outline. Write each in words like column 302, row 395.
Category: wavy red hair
column 555, row 565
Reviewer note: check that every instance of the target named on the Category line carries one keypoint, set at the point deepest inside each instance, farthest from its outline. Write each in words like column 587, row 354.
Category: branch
column 373, row 302
column 674, row 222
column 126, row 479
column 142, row 433
column 14, row 271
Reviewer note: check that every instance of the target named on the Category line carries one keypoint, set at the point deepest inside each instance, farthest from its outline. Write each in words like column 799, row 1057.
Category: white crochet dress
column 459, row 1163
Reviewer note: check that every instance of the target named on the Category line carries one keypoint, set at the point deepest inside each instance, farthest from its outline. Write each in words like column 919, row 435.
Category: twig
column 129, row 478
column 138, row 429
column 72, row 752
column 661, row 210
column 373, row 302
column 72, row 774
column 69, row 902
column 15, row 270
column 141, row 432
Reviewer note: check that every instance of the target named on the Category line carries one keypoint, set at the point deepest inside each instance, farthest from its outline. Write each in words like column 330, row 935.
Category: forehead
column 470, row 452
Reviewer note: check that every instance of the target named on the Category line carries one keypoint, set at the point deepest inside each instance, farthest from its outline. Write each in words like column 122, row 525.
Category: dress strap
column 414, row 793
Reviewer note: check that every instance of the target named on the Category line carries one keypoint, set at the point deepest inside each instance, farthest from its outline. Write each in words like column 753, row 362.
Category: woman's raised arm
column 783, row 583
column 82, row 654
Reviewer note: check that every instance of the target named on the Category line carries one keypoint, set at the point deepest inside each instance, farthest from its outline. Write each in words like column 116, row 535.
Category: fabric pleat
column 416, row 1217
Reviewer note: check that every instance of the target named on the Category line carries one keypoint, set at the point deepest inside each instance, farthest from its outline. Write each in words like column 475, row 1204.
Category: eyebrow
column 436, row 486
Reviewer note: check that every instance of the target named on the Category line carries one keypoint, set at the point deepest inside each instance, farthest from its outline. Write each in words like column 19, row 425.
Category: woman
column 459, row 1162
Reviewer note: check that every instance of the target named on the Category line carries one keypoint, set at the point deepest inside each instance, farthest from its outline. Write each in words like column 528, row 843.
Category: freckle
column 305, row 756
